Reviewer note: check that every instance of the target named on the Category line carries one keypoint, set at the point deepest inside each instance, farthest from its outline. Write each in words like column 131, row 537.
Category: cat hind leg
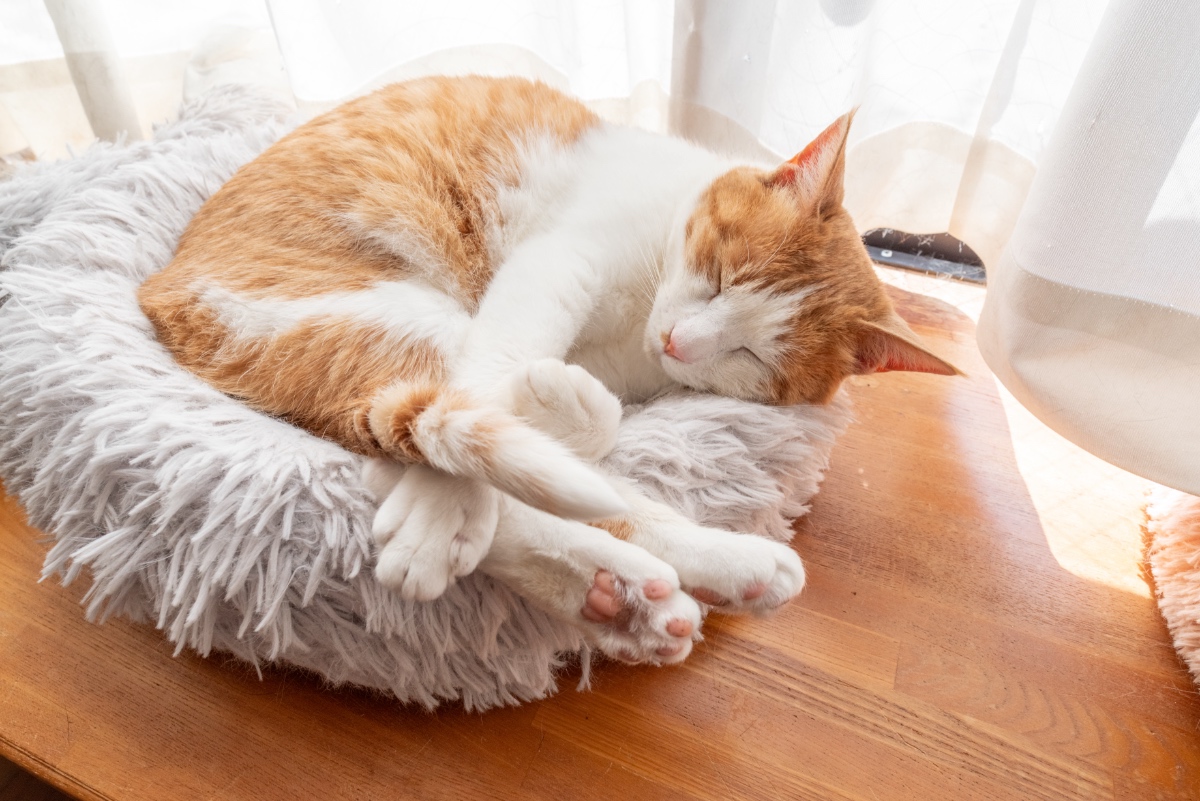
column 628, row 603
column 730, row 571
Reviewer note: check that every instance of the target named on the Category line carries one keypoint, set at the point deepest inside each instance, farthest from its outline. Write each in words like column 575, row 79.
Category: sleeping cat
column 459, row 277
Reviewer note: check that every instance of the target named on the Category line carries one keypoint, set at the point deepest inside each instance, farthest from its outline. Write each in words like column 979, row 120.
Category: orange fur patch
column 784, row 236
column 335, row 206
column 747, row 230
column 419, row 161
column 618, row 527
column 322, row 375
column 395, row 411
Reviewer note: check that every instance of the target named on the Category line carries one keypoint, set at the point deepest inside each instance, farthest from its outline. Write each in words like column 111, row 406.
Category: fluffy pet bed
column 233, row 531
column 1173, row 551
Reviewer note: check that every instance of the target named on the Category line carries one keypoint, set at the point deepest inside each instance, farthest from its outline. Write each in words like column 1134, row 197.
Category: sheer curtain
column 1056, row 137
column 1093, row 314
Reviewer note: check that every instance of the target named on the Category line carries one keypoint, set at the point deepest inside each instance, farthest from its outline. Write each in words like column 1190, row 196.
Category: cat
column 459, row 277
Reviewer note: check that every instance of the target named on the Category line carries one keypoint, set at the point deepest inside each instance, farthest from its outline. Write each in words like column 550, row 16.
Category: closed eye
column 752, row 355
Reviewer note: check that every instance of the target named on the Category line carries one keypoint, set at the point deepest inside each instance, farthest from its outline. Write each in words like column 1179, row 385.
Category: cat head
column 768, row 293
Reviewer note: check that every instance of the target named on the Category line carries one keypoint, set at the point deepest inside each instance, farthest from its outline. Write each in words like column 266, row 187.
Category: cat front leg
column 527, row 321
column 628, row 603
column 535, row 306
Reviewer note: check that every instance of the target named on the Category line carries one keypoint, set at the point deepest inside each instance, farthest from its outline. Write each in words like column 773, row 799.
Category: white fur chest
column 615, row 197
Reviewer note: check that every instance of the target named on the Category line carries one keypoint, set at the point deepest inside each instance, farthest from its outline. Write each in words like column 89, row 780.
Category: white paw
column 568, row 403
column 737, row 572
column 431, row 529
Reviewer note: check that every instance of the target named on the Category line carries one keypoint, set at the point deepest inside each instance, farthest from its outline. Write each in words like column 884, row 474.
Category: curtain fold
column 1056, row 137
column 1092, row 318
column 96, row 69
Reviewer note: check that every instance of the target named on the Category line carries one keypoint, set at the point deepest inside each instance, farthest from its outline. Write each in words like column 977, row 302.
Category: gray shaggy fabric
column 232, row 531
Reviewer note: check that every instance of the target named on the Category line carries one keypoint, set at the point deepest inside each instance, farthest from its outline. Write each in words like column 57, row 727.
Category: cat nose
column 669, row 346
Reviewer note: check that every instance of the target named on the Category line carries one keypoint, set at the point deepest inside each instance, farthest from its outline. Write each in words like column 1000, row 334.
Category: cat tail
column 444, row 428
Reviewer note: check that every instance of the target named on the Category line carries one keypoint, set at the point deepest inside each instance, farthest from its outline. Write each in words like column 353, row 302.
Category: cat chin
column 677, row 372
column 702, row 377
column 695, row 382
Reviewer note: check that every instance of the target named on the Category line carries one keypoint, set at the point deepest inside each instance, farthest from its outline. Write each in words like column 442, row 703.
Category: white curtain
column 161, row 47
column 1093, row 314
column 1053, row 136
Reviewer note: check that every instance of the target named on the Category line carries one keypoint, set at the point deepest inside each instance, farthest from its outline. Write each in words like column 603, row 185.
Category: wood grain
column 975, row 627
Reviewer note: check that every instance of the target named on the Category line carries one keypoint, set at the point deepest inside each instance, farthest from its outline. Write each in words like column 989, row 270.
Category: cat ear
column 816, row 172
column 892, row 345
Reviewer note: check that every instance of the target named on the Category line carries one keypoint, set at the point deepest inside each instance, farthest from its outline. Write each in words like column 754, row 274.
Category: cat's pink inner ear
column 892, row 346
column 819, row 167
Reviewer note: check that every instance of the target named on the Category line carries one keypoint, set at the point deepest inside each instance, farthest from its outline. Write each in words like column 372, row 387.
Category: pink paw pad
column 656, row 590
column 601, row 604
column 754, row 591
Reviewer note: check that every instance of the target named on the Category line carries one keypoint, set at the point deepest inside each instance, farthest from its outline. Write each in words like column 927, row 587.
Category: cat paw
column 738, row 572
column 568, row 403
column 640, row 622
column 432, row 528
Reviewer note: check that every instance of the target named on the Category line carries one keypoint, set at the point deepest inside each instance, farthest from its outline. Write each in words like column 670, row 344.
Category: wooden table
column 975, row 627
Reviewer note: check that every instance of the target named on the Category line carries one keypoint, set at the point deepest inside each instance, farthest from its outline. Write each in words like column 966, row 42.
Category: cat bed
column 233, row 531
column 1173, row 554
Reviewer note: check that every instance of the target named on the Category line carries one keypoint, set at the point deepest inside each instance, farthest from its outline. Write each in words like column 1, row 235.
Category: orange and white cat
column 459, row 277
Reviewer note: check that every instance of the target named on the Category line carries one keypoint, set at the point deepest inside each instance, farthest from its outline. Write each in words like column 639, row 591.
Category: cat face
column 768, row 293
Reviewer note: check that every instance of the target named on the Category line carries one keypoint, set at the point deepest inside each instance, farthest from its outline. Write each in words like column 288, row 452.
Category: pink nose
column 669, row 346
